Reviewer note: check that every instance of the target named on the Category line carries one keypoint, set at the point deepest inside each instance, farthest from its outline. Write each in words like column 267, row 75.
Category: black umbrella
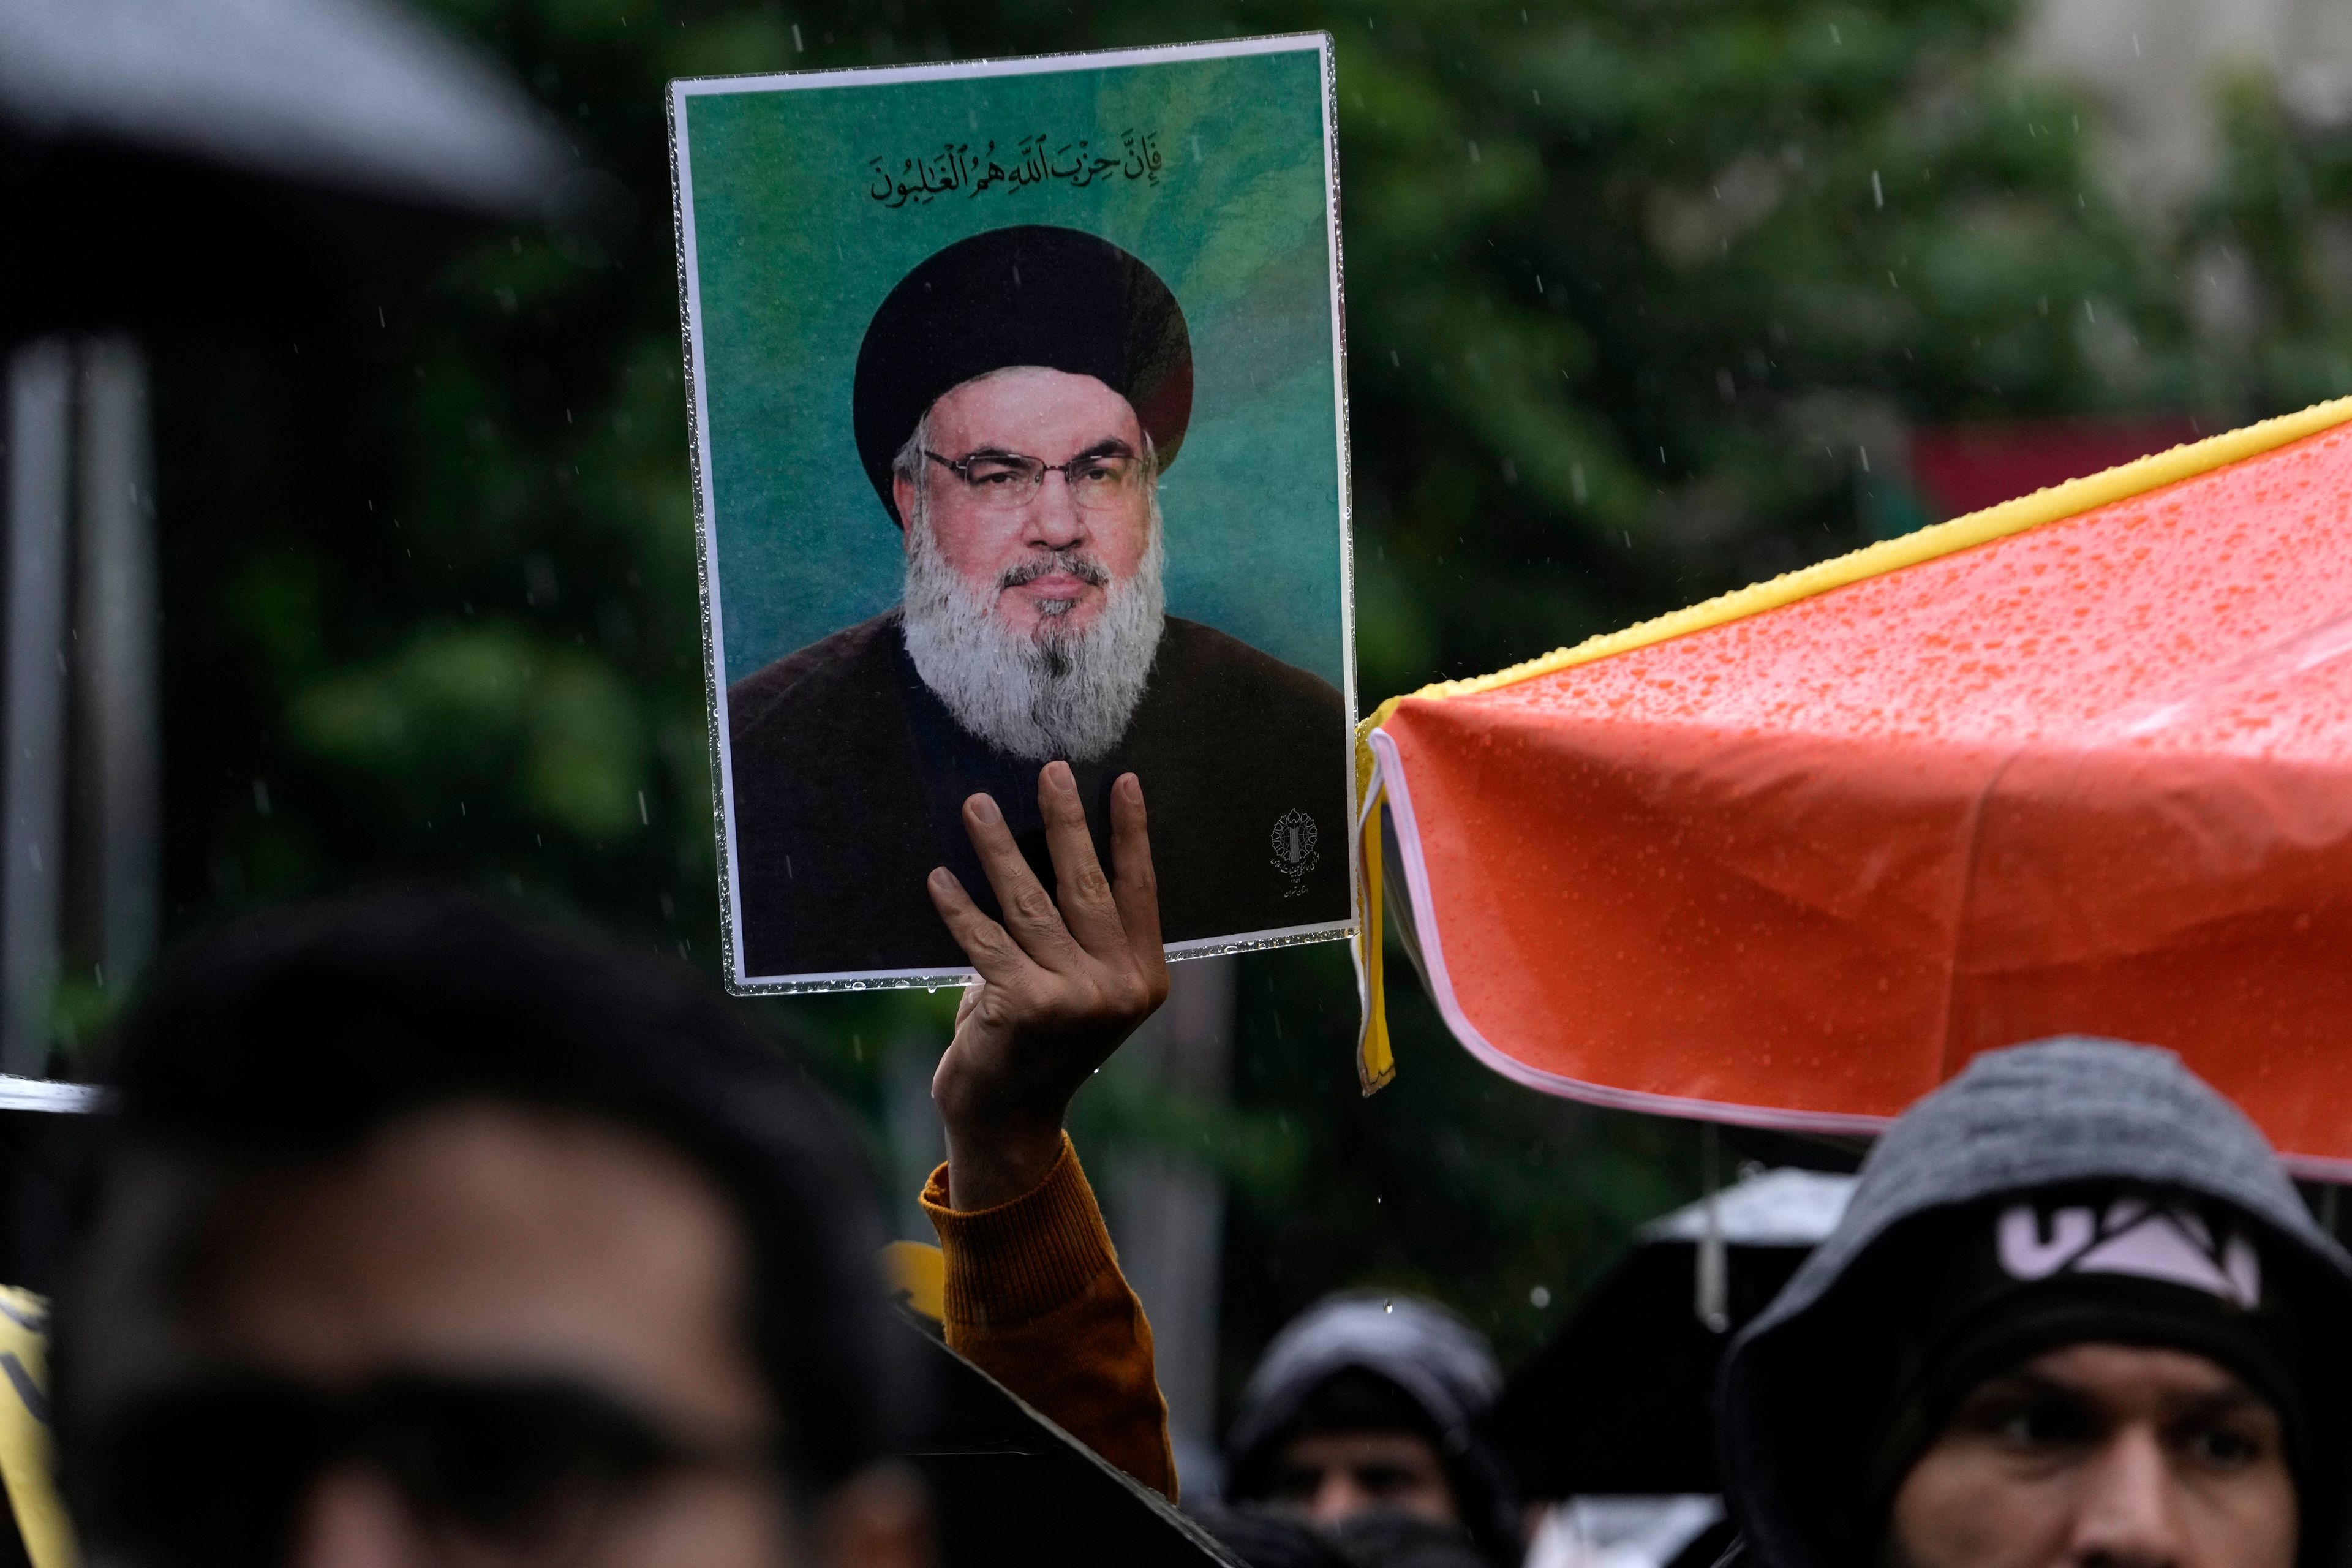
column 172, row 157
column 346, row 95
column 265, row 162
column 1621, row 1400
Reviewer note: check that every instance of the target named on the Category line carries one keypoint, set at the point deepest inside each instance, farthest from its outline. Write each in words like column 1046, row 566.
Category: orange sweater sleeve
column 1035, row 1299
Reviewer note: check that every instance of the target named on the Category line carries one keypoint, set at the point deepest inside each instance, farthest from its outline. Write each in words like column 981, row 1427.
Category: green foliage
column 1642, row 295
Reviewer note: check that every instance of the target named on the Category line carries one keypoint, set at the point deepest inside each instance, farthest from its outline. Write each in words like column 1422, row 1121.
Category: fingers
column 1135, row 887
column 1029, row 913
column 991, row 950
column 1082, row 891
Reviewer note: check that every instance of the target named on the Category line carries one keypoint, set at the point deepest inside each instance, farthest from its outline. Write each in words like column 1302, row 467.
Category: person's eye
column 2225, row 1447
column 1382, row 1481
column 1295, row 1486
column 2039, row 1424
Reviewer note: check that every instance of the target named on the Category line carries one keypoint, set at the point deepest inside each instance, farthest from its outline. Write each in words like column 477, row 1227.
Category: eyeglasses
column 499, row 1472
column 1003, row 481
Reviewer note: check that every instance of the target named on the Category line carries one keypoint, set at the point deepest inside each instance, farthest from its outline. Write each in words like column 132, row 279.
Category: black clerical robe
column 849, row 776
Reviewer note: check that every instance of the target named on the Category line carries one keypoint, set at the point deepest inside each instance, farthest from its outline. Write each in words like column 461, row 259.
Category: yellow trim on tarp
column 2054, row 504
column 1375, row 1062
column 25, row 1453
column 917, row 1273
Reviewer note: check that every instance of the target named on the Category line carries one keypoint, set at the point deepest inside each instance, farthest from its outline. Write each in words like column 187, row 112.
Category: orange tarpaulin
column 2079, row 763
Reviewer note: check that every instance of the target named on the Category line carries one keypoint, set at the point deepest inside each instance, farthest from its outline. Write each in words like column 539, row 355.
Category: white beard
column 1056, row 694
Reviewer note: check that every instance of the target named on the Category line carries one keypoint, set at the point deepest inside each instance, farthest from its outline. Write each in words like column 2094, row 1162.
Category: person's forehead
column 478, row 1236
column 2133, row 1374
column 1345, row 1446
column 1026, row 402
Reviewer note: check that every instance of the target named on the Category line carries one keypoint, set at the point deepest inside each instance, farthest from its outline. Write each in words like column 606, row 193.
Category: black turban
column 1028, row 296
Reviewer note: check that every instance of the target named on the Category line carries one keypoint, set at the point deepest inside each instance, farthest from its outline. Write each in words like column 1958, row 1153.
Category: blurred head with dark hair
column 1367, row 1404
column 423, row 1235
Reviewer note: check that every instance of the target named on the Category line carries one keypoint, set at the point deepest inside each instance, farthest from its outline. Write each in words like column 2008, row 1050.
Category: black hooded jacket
column 1808, row 1386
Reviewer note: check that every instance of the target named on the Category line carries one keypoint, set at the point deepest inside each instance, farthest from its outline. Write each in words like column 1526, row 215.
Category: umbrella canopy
column 164, row 161
column 1621, row 1400
column 2082, row 762
column 345, row 95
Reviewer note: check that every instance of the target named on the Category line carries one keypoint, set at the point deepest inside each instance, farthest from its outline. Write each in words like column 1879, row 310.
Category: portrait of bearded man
column 1019, row 395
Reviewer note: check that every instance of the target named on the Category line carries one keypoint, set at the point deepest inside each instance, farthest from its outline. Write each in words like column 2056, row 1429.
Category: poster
column 1019, row 435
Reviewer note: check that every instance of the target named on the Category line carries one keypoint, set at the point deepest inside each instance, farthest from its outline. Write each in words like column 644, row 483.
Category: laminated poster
column 1018, row 425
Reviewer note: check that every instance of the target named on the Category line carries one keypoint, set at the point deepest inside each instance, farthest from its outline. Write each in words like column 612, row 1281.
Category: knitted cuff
column 1009, row 1265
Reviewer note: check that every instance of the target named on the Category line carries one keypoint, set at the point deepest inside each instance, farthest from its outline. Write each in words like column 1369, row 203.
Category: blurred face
column 1048, row 557
column 2103, row 1457
column 1332, row 1476
column 475, row 1251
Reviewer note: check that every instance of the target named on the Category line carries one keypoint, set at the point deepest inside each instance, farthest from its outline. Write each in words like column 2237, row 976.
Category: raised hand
column 1063, row 981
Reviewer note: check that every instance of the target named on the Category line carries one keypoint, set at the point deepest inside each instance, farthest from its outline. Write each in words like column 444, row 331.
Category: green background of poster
column 794, row 253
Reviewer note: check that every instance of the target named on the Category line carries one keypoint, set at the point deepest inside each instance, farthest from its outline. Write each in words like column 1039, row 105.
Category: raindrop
column 798, row 48
column 1877, row 191
column 1388, row 1306
column 1474, row 151
column 2135, row 48
column 1539, row 1298
column 1835, row 37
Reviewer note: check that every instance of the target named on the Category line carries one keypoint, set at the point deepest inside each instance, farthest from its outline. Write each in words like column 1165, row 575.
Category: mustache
column 1073, row 563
